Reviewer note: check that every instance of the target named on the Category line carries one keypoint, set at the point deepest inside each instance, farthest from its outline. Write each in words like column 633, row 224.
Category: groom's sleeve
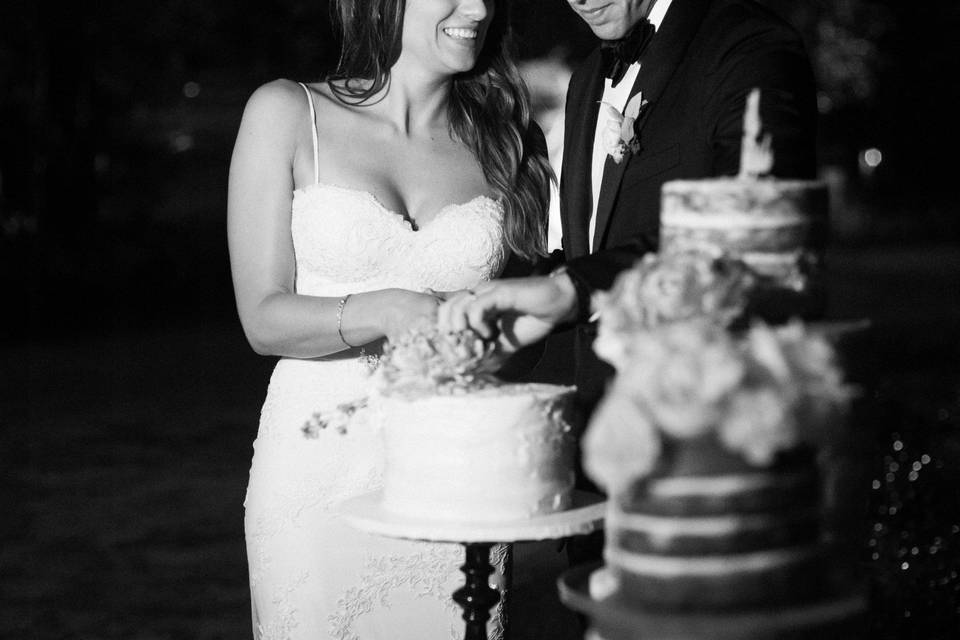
column 597, row 271
column 771, row 58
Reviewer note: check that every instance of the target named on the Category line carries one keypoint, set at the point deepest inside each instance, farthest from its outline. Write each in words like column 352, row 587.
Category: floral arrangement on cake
column 668, row 288
column 423, row 361
column 426, row 360
column 759, row 393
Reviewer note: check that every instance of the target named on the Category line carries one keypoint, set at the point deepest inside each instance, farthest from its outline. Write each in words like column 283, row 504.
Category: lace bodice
column 347, row 241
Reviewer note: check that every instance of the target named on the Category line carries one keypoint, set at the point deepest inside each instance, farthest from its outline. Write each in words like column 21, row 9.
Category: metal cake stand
column 476, row 597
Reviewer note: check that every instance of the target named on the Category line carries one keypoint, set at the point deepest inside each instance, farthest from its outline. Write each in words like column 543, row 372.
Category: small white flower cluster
column 426, row 360
column 618, row 135
column 769, row 390
column 337, row 419
column 668, row 288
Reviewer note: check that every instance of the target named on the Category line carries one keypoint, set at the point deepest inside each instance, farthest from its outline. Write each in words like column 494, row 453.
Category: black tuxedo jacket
column 696, row 73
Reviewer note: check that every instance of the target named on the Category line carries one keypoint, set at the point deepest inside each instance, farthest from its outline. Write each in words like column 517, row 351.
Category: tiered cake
column 459, row 445
column 777, row 227
column 707, row 443
column 714, row 533
column 708, row 439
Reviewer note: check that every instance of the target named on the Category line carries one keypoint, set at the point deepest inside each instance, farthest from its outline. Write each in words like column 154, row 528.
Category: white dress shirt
column 616, row 96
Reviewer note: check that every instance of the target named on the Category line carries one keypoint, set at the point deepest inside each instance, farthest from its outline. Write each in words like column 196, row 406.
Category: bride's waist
column 336, row 376
column 366, row 353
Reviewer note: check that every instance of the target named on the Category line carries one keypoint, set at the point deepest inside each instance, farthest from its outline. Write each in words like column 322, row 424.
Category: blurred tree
column 889, row 77
column 845, row 42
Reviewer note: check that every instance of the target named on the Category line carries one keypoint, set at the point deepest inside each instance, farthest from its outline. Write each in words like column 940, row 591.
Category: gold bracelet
column 340, row 306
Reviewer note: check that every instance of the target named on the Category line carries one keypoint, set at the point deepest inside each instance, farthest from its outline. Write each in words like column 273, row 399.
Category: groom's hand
column 516, row 312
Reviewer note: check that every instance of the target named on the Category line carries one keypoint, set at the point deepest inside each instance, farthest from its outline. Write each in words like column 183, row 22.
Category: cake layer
column 778, row 227
column 735, row 202
column 782, row 238
column 756, row 492
column 712, row 535
column 790, row 574
column 494, row 454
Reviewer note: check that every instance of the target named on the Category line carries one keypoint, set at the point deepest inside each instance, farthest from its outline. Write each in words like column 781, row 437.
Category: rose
column 758, row 423
column 619, row 133
column 682, row 374
column 684, row 285
column 671, row 289
column 667, row 288
column 621, row 442
column 806, row 363
column 610, row 136
column 763, row 392
column 621, row 313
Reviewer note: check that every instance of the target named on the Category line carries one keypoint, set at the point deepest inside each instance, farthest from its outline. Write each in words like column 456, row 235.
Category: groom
column 692, row 64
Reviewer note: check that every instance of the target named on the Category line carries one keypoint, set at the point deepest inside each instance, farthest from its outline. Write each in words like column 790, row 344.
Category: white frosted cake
column 498, row 453
column 776, row 226
column 461, row 445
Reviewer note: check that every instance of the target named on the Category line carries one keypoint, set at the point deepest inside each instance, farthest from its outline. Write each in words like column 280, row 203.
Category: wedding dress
column 312, row 576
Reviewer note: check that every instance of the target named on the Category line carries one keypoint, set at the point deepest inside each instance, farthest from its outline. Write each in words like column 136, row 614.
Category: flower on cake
column 619, row 134
column 423, row 361
column 758, row 394
column 426, row 360
column 622, row 442
column 668, row 288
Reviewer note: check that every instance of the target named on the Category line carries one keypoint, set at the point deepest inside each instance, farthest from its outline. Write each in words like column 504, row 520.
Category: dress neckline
column 392, row 213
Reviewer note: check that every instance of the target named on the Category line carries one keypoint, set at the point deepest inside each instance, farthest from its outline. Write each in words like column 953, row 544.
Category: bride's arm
column 276, row 320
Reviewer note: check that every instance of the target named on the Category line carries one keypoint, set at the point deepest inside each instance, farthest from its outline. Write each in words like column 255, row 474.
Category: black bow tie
column 618, row 55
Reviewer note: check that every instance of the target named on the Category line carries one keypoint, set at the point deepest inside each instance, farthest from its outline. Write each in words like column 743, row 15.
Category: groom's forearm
column 597, row 271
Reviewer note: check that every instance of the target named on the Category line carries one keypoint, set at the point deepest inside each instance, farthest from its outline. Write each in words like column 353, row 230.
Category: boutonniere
column 620, row 135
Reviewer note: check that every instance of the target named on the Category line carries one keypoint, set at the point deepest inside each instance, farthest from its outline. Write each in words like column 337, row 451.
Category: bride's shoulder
column 278, row 105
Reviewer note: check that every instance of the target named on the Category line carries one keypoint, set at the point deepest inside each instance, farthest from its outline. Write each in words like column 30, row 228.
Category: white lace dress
column 312, row 576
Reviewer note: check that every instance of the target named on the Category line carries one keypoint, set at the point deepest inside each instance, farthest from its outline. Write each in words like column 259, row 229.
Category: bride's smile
column 458, row 29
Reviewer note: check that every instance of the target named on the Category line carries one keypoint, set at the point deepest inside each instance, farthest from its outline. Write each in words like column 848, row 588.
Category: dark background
column 129, row 397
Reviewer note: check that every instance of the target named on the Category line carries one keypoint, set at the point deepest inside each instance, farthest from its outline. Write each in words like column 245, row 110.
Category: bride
column 414, row 168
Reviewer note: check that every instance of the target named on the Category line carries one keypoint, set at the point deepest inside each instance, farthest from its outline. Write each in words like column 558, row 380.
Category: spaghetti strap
column 313, row 128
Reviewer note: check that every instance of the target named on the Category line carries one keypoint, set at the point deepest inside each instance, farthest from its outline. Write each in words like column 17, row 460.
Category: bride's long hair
column 489, row 109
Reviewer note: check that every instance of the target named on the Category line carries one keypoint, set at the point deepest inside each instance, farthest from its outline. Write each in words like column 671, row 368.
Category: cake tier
column 769, row 577
column 757, row 492
column 494, row 454
column 711, row 535
column 778, row 227
column 837, row 615
column 710, row 531
column 700, row 477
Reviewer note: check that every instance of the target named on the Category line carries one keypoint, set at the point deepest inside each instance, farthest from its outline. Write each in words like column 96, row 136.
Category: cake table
column 476, row 597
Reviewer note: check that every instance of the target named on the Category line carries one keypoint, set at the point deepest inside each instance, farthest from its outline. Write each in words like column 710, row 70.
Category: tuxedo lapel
column 663, row 56
column 576, row 199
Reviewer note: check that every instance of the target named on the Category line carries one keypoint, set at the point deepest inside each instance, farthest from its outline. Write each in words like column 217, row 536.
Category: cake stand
column 476, row 597
column 831, row 618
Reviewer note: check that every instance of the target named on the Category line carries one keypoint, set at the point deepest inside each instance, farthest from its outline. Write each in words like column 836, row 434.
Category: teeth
column 461, row 33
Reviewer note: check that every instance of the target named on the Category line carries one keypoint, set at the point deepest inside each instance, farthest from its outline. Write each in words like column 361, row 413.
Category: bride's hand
column 515, row 312
column 406, row 309
column 443, row 296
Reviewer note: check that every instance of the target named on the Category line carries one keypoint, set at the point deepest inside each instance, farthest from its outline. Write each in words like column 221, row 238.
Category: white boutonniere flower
column 620, row 135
